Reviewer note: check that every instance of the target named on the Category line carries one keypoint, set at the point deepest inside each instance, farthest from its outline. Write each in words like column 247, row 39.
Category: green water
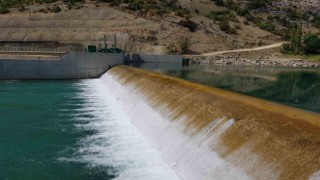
column 75, row 130
column 37, row 130
column 71, row 130
column 298, row 87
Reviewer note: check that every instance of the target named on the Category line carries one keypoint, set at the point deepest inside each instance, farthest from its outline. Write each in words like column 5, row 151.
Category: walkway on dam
column 28, row 55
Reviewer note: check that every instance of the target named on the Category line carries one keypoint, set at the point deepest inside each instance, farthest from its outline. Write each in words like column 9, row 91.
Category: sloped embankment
column 208, row 133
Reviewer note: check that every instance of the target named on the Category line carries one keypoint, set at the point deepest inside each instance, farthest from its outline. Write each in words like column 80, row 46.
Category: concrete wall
column 154, row 58
column 74, row 65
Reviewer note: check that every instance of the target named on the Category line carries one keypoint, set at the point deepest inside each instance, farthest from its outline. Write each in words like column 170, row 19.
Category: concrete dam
column 71, row 65
column 200, row 132
column 203, row 132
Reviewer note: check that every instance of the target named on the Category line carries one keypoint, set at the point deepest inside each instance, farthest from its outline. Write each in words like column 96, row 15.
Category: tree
column 311, row 43
column 296, row 39
column 184, row 43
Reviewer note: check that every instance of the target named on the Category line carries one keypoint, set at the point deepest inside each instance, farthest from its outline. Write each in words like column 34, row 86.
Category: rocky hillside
column 155, row 26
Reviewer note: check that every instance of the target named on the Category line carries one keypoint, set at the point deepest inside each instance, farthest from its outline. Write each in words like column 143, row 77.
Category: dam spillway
column 135, row 124
column 208, row 133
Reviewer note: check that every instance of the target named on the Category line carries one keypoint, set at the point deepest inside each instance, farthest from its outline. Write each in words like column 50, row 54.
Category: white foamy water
column 191, row 157
column 315, row 176
column 116, row 142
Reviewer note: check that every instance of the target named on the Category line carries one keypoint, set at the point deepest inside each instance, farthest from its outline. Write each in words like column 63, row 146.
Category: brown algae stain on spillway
column 287, row 139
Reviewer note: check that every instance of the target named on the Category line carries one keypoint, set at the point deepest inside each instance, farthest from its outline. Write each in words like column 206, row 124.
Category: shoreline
column 236, row 60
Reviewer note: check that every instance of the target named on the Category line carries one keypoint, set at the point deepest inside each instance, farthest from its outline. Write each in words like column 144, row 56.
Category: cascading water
column 208, row 133
column 135, row 124
column 115, row 142
column 179, row 151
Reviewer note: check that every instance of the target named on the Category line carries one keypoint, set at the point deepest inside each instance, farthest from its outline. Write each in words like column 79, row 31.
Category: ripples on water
column 71, row 130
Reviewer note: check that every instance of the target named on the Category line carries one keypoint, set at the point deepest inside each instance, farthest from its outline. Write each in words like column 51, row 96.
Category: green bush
column 225, row 26
column 249, row 17
column 4, row 9
column 286, row 48
column 222, row 16
column 268, row 26
column 237, row 26
column 293, row 14
column 243, row 11
column 231, row 4
column 184, row 43
column 316, row 21
column 311, row 43
column 56, row 9
column 256, row 4
column 22, row 8
column 182, row 12
column 219, row 2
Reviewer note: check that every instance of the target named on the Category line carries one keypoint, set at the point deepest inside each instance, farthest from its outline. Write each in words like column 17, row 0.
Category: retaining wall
column 154, row 58
column 74, row 65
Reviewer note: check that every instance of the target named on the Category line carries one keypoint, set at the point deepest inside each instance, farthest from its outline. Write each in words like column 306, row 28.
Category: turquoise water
column 298, row 87
column 76, row 129
column 37, row 129
column 70, row 130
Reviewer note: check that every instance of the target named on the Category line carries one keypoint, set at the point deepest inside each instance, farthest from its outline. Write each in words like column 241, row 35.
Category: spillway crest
column 208, row 133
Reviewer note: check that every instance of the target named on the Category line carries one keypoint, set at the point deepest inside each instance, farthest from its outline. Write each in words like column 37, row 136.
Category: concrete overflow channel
column 72, row 65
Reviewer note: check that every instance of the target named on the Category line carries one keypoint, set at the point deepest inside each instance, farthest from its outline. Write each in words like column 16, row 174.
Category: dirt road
column 243, row 50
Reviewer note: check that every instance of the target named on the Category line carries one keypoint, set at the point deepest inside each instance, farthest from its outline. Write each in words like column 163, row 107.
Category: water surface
column 71, row 130
column 298, row 87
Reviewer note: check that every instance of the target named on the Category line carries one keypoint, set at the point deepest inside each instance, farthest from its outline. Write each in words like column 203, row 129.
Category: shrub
column 222, row 16
column 172, row 48
column 237, row 26
column 292, row 14
column 22, row 8
column 182, row 12
column 256, row 4
column 249, row 17
column 286, row 48
column 56, row 9
column 218, row 2
column 243, row 11
column 4, row 9
column 224, row 26
column 184, row 43
column 231, row 4
column 311, row 43
column 69, row 5
column 316, row 21
column 268, row 26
